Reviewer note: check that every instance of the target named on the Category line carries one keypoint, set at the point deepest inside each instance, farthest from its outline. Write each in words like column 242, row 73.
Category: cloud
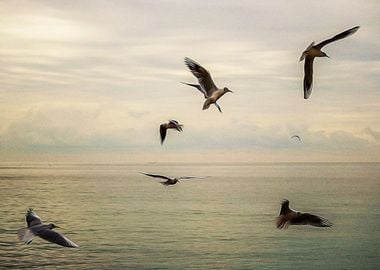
column 95, row 74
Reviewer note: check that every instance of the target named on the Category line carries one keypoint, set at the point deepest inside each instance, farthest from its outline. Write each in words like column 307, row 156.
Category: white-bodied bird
column 206, row 85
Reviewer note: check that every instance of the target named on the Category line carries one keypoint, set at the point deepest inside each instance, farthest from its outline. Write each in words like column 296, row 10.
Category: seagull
column 296, row 136
column 206, row 85
column 36, row 228
column 290, row 217
column 173, row 124
column 315, row 51
column 171, row 181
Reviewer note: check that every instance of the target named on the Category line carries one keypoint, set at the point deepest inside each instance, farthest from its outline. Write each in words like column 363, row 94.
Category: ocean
column 122, row 219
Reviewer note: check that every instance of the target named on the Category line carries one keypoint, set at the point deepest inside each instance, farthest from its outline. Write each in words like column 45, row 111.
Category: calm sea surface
column 124, row 220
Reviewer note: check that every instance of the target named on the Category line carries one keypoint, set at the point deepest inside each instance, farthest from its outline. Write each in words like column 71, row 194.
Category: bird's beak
column 230, row 91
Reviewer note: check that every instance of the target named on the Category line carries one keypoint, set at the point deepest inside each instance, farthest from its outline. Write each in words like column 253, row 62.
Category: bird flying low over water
column 171, row 181
column 45, row 231
column 315, row 51
column 172, row 124
column 290, row 217
column 206, row 85
column 296, row 137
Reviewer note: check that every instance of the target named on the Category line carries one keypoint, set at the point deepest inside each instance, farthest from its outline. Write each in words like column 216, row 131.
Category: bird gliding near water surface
column 206, row 85
column 315, row 51
column 45, row 231
column 290, row 217
column 171, row 181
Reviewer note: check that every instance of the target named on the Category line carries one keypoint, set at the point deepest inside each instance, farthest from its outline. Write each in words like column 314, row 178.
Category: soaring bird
column 206, row 85
column 296, row 137
column 171, row 181
column 290, row 217
column 45, row 231
column 315, row 51
column 172, row 124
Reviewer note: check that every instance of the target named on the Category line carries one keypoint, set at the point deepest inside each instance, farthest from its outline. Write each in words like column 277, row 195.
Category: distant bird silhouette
column 206, row 85
column 296, row 137
column 315, row 51
column 290, row 217
column 172, row 124
column 45, row 231
column 171, row 181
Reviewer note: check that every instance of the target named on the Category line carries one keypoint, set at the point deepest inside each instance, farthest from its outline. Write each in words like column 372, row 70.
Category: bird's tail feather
column 206, row 105
column 25, row 235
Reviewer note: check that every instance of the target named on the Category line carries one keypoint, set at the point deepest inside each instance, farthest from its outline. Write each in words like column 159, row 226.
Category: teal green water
column 124, row 220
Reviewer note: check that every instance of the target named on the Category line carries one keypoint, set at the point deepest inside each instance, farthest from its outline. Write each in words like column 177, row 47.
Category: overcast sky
column 93, row 80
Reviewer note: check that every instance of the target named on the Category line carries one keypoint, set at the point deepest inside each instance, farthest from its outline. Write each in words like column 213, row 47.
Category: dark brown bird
column 290, row 217
column 172, row 124
column 315, row 51
column 45, row 231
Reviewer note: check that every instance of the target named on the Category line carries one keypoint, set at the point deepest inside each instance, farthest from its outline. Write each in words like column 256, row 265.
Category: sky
column 91, row 81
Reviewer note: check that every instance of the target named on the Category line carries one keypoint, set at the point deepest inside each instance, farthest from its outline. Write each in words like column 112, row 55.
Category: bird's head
column 325, row 55
column 226, row 90
column 52, row 226
column 285, row 202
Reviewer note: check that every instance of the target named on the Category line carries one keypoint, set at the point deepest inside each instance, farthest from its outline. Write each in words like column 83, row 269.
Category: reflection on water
column 123, row 220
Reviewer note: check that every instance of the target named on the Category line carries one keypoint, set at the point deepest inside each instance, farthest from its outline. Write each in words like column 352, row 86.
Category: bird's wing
column 198, row 87
column 32, row 219
column 283, row 220
column 203, row 76
column 190, row 177
column 57, row 238
column 337, row 37
column 296, row 136
column 162, row 133
column 309, row 219
column 25, row 235
column 157, row 176
column 176, row 125
column 308, row 77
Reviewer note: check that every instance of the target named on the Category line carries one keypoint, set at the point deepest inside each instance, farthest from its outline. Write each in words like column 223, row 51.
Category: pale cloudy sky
column 92, row 80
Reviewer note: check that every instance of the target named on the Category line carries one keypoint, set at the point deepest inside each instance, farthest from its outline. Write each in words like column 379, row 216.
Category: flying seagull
column 206, row 85
column 45, row 231
column 172, row 124
column 290, row 217
column 296, row 136
column 171, row 181
column 315, row 51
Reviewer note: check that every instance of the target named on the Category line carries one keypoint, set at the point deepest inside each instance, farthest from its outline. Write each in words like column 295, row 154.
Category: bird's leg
column 216, row 104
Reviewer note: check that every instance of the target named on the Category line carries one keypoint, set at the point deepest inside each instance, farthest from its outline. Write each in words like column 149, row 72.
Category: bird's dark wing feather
column 190, row 177
column 308, row 77
column 309, row 219
column 32, row 219
column 162, row 133
column 176, row 125
column 203, row 76
column 57, row 238
column 198, row 87
column 157, row 176
column 337, row 37
column 296, row 136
